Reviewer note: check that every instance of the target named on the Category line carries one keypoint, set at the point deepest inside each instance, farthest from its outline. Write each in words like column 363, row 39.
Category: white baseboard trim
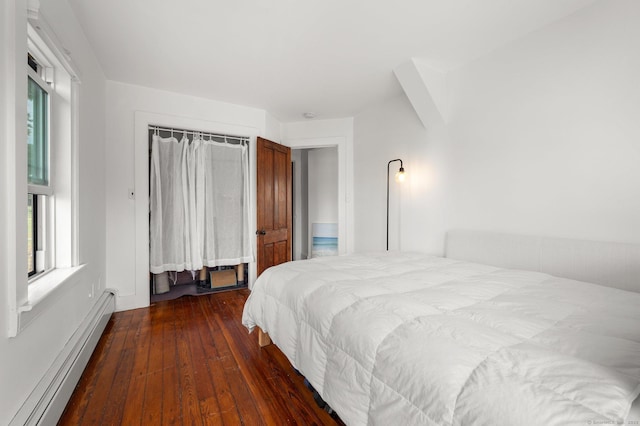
column 47, row 401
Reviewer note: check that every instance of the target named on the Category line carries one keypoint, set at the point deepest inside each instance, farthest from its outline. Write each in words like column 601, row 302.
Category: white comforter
column 410, row 339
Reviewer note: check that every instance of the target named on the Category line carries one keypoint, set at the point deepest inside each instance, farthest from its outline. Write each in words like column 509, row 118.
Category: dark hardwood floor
column 189, row 362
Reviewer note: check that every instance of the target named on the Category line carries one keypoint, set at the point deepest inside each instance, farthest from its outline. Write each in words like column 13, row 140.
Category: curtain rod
column 194, row 132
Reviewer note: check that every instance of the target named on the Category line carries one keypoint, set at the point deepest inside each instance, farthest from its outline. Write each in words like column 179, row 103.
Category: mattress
column 406, row 338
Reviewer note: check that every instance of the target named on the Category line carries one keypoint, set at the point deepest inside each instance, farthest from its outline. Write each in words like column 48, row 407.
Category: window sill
column 43, row 290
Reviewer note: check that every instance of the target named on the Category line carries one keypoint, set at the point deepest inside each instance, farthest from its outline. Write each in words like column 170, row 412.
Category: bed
column 484, row 336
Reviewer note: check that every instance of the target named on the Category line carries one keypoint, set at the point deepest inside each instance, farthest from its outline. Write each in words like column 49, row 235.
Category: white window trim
column 40, row 190
column 43, row 257
column 41, row 81
column 29, row 298
column 44, row 291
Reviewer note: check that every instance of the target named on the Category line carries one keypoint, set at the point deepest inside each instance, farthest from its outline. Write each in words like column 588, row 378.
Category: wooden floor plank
column 232, row 390
column 106, row 374
column 204, row 386
column 249, row 367
column 224, row 404
column 216, row 363
column 189, row 362
column 115, row 403
column 191, row 414
column 133, row 409
column 253, row 358
column 77, row 404
column 153, row 395
column 171, row 410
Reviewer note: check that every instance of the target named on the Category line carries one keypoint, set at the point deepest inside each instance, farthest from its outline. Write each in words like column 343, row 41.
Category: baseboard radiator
column 47, row 402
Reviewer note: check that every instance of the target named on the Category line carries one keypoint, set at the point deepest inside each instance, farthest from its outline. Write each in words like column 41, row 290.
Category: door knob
column 261, row 232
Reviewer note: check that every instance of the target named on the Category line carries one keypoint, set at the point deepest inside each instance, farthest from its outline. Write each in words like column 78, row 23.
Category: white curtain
column 199, row 204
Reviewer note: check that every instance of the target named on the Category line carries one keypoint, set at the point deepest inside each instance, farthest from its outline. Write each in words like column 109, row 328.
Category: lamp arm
column 389, row 163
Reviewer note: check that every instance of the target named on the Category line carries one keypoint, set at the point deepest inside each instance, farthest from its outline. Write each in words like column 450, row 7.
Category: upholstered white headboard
column 610, row 264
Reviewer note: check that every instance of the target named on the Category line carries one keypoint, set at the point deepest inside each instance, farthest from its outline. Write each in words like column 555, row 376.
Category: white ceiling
column 332, row 57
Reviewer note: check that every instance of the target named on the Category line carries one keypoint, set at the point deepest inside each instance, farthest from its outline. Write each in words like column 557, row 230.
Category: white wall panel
column 542, row 139
column 544, row 132
column 24, row 359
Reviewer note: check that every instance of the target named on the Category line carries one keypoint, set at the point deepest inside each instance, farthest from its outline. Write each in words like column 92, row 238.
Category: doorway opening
column 315, row 202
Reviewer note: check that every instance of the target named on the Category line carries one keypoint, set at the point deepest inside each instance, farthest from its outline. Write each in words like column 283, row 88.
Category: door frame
column 345, row 227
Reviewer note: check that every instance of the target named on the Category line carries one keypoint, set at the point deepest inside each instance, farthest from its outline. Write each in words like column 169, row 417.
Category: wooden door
column 274, row 204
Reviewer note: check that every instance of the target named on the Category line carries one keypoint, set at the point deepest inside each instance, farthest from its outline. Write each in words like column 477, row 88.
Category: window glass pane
column 33, row 64
column 36, row 233
column 31, row 237
column 37, row 135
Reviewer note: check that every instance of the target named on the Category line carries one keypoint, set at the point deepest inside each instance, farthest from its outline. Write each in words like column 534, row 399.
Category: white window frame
column 30, row 296
column 44, row 258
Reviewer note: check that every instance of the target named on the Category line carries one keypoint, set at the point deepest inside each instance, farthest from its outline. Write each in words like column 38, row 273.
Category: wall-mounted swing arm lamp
column 399, row 178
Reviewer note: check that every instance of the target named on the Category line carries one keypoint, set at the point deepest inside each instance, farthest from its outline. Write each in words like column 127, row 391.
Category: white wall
column 544, row 132
column 271, row 128
column 25, row 358
column 384, row 132
column 124, row 171
column 542, row 139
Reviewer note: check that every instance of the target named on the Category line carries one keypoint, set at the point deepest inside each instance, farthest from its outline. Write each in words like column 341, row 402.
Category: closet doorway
column 135, row 293
column 199, row 204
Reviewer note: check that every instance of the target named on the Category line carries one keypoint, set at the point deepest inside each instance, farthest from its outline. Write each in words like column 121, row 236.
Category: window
column 44, row 95
column 51, row 162
column 39, row 188
column 38, row 131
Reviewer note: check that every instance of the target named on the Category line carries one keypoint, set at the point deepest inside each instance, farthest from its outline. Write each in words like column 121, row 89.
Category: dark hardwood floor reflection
column 189, row 362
